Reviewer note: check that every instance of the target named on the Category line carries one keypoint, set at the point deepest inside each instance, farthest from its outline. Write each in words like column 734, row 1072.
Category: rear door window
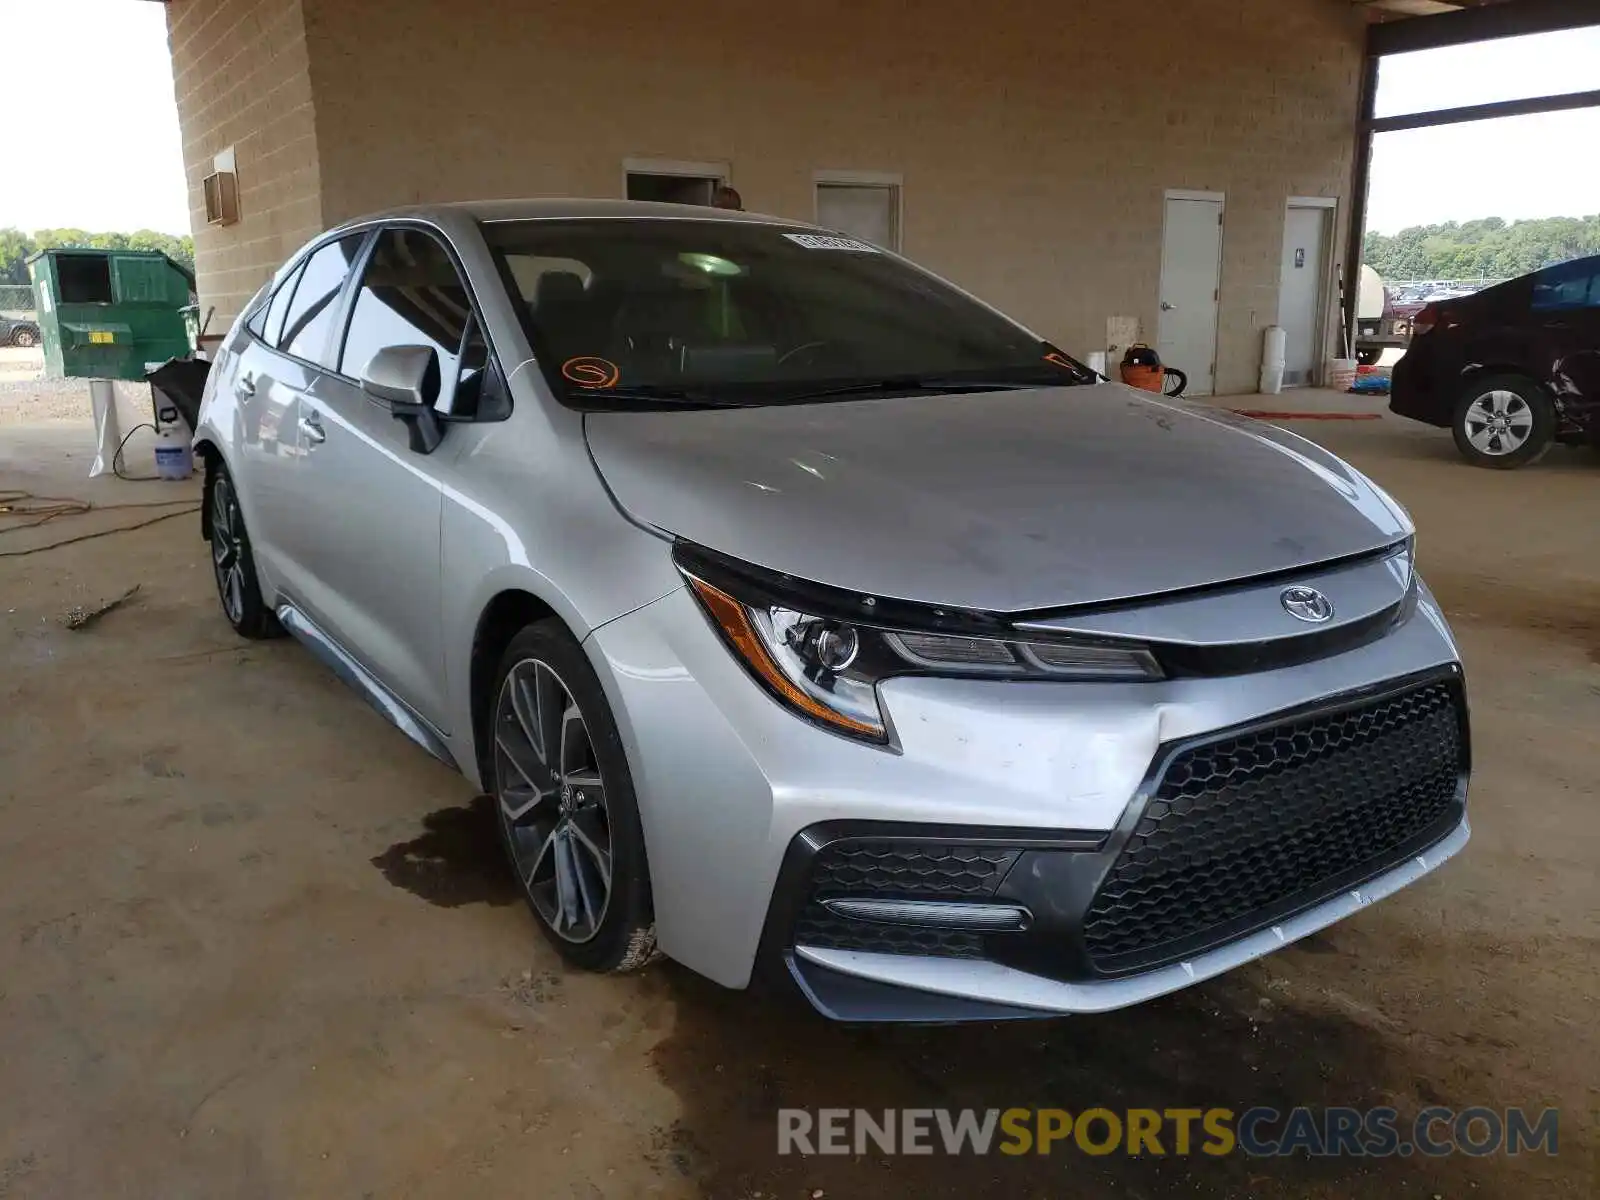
column 314, row 307
column 1570, row 285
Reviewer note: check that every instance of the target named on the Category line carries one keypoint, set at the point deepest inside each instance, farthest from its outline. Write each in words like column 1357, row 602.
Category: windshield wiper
column 951, row 385
column 651, row 393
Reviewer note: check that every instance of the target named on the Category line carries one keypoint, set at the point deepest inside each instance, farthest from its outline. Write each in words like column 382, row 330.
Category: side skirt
column 323, row 647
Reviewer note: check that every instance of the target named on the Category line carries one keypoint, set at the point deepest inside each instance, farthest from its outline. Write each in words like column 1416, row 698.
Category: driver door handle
column 311, row 427
column 246, row 386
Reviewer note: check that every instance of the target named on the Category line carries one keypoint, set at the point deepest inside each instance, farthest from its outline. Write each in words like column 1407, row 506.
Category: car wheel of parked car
column 1503, row 421
column 1370, row 356
column 567, row 810
column 232, row 562
column 26, row 338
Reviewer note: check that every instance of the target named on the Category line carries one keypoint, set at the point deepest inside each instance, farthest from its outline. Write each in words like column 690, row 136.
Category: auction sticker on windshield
column 821, row 241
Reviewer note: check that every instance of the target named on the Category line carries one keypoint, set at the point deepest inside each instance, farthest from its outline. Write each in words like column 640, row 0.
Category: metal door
column 1300, row 291
column 1191, row 274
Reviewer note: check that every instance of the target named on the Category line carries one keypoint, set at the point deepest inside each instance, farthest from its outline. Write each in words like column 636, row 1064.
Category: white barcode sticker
column 823, row 241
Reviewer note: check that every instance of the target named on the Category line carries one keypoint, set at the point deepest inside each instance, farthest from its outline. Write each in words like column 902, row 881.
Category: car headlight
column 823, row 657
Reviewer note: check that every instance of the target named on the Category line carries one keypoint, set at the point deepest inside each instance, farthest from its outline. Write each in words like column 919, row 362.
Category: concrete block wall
column 241, row 78
column 1035, row 138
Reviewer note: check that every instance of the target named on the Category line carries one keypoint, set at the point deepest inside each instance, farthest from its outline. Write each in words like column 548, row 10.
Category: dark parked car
column 18, row 331
column 1510, row 369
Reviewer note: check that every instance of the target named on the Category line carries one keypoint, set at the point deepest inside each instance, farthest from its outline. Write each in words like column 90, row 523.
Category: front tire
column 567, row 812
column 1503, row 421
column 25, row 338
column 1369, row 356
column 233, row 563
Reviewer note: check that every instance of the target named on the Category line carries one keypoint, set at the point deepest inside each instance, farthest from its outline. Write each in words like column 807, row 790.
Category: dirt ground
column 254, row 943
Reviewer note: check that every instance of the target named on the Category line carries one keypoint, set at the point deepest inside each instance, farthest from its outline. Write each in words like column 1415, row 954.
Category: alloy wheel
column 227, row 548
column 552, row 800
column 1498, row 422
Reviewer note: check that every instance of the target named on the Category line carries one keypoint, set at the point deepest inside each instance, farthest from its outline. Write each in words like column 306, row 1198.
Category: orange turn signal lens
column 734, row 619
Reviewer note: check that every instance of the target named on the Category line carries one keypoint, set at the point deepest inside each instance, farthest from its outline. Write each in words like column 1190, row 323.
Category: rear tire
column 1369, row 357
column 1503, row 421
column 564, row 796
column 25, row 338
column 233, row 562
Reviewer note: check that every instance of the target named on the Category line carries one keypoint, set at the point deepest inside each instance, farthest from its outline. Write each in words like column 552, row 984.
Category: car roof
column 573, row 208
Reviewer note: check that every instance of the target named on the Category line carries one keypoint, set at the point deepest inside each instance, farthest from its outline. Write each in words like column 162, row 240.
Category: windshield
column 716, row 312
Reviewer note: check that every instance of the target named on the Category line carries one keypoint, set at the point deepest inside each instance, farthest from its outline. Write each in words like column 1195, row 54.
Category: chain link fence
column 16, row 300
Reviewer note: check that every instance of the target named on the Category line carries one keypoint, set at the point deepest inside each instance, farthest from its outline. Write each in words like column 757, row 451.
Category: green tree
column 1487, row 246
column 15, row 247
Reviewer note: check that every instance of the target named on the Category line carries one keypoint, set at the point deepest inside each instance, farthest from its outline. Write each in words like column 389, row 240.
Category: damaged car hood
column 1002, row 501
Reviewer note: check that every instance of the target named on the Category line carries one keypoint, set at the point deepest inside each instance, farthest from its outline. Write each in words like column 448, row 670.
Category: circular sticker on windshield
column 589, row 372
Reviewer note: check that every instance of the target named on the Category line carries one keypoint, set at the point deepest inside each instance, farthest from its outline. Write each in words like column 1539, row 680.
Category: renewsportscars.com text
column 1260, row 1132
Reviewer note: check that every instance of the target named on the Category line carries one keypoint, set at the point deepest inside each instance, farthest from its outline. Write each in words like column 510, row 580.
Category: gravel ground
column 27, row 398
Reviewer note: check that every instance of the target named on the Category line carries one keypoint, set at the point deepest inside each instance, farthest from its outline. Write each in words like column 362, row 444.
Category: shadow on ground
column 734, row 1060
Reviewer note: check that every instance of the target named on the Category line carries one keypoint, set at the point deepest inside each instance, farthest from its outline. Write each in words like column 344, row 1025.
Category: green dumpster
column 104, row 314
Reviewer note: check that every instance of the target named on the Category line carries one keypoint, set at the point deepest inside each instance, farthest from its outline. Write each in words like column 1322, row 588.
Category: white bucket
column 1341, row 373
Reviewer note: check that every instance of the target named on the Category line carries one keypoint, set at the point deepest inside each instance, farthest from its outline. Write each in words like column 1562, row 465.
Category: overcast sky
column 106, row 155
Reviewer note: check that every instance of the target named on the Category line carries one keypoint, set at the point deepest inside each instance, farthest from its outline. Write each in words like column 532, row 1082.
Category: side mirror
column 406, row 380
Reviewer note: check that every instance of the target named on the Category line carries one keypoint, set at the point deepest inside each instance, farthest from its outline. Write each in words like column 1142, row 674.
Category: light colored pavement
column 253, row 943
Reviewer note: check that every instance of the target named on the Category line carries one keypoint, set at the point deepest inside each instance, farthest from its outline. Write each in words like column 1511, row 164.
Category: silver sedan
column 810, row 619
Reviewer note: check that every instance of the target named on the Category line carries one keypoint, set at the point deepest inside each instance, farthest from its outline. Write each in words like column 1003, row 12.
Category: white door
column 1191, row 276
column 867, row 212
column 1300, row 292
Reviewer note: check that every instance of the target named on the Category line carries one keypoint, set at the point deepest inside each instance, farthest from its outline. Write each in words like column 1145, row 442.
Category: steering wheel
column 800, row 349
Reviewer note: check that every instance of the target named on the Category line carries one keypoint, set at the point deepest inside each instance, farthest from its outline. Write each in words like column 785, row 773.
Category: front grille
column 901, row 870
column 1241, row 831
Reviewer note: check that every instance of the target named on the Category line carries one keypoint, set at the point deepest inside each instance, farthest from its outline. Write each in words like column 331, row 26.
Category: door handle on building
column 311, row 427
column 1165, row 307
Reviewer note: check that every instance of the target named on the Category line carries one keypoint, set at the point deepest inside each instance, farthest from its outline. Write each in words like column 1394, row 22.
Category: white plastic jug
column 174, row 444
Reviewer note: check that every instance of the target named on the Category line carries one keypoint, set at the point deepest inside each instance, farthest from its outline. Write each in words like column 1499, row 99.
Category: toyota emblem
column 1306, row 604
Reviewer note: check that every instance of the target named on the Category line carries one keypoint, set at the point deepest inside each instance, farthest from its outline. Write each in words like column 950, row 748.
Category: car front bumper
column 919, row 988
column 737, row 797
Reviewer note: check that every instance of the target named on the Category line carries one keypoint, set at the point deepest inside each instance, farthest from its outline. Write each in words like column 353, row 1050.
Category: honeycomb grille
column 909, row 870
column 819, row 927
column 1253, row 825
column 902, row 870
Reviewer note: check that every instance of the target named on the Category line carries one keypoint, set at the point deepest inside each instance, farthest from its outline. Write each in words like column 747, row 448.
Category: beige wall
column 240, row 73
column 1035, row 137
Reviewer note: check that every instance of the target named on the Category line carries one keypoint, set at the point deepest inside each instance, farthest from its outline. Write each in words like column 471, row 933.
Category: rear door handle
column 246, row 386
column 311, row 427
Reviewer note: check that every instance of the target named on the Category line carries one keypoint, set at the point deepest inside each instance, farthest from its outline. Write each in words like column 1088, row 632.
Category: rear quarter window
column 1570, row 285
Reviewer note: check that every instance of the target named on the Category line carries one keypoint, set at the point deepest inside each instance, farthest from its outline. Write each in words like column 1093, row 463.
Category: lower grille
column 909, row 869
column 825, row 930
column 1241, row 831
column 900, row 870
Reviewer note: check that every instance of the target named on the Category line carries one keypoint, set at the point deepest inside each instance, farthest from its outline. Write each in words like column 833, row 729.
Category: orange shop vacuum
column 1141, row 368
